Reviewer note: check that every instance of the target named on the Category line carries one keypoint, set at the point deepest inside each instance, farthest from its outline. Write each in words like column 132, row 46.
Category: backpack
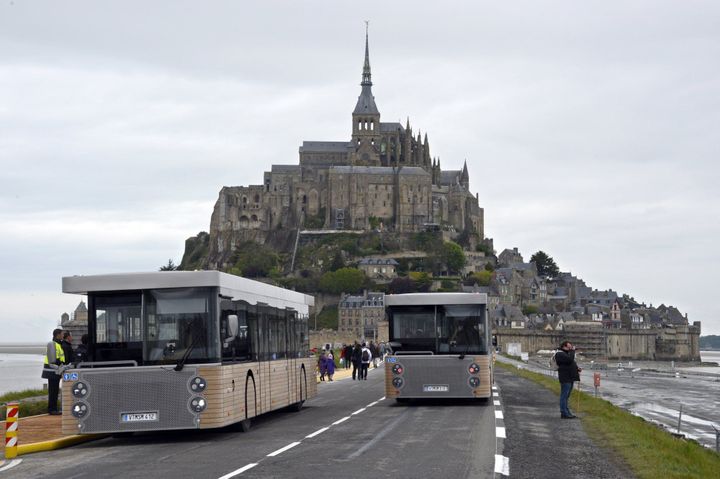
column 552, row 362
column 366, row 355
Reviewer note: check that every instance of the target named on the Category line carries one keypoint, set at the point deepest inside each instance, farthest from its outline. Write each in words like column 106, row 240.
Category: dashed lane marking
column 498, row 414
column 341, row 420
column 500, row 432
column 319, row 431
column 502, row 465
column 239, row 471
column 496, row 403
column 283, row 449
column 272, row 454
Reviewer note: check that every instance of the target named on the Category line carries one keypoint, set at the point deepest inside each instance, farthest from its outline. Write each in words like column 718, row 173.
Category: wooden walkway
column 35, row 429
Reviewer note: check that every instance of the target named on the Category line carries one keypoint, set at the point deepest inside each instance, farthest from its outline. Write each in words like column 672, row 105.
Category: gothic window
column 257, row 198
column 372, row 125
column 244, row 200
column 254, row 217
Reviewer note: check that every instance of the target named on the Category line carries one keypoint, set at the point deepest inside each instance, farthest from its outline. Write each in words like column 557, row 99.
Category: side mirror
column 232, row 325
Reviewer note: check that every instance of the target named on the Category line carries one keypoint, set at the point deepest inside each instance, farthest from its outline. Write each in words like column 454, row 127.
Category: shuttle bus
column 440, row 346
column 186, row 350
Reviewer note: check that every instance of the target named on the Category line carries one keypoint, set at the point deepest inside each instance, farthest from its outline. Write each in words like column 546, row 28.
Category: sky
column 589, row 129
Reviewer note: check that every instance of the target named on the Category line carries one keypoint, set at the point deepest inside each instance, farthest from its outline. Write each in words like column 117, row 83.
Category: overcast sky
column 589, row 128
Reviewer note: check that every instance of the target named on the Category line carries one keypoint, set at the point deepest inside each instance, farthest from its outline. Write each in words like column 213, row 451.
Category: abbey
column 383, row 177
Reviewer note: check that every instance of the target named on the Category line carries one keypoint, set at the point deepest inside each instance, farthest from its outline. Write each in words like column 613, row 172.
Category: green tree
column 337, row 262
column 253, row 260
column 422, row 281
column 482, row 278
column 170, row 266
column 545, row 264
column 344, row 280
column 453, row 256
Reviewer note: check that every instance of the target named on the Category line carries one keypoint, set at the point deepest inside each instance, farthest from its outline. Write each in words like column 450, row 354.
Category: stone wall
column 669, row 344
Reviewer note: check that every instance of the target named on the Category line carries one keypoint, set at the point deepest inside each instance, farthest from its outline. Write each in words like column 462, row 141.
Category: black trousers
column 356, row 369
column 53, row 391
column 363, row 370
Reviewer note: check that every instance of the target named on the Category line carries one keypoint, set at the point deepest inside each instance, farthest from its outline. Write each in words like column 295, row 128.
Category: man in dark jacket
column 66, row 344
column 355, row 357
column 568, row 373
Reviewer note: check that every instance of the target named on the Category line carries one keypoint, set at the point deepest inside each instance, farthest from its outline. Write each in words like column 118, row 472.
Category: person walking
column 568, row 373
column 54, row 358
column 66, row 344
column 329, row 366
column 322, row 367
column 356, row 358
column 366, row 357
column 348, row 356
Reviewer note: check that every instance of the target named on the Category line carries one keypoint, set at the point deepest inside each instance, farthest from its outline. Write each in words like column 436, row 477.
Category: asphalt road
column 348, row 431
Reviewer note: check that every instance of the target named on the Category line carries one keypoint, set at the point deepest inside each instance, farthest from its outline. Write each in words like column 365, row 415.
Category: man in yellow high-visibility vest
column 54, row 358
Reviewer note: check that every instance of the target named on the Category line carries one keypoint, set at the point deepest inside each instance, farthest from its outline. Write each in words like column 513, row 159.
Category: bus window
column 234, row 334
column 118, row 327
column 183, row 325
column 413, row 327
column 461, row 329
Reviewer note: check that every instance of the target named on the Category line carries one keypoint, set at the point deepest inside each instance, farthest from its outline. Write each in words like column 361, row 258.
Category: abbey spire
column 366, row 117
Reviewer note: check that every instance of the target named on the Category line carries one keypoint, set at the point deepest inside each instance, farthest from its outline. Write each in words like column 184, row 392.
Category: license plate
column 436, row 388
column 139, row 416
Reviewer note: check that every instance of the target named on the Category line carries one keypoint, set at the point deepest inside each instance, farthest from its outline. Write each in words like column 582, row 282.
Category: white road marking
column 502, row 465
column 498, row 414
column 283, row 449
column 239, row 471
column 341, row 420
column 372, row 404
column 319, row 431
column 382, row 398
column 500, row 432
column 358, row 411
column 496, row 403
column 10, row 465
column 494, row 388
column 496, row 395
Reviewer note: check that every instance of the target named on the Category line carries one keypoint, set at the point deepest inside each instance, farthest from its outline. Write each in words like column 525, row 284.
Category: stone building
column 385, row 171
column 77, row 325
column 380, row 270
column 359, row 315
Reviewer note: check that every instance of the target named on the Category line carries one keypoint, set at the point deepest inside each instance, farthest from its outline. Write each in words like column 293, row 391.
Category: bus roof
column 419, row 299
column 229, row 285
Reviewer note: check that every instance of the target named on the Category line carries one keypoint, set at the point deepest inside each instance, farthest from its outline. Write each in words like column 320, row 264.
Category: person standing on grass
column 54, row 358
column 568, row 373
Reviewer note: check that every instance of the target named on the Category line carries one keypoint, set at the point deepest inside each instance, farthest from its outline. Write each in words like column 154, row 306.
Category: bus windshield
column 461, row 329
column 447, row 329
column 157, row 326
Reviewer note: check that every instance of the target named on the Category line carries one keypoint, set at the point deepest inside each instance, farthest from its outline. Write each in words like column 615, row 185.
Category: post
column 717, row 439
column 11, row 429
column 679, row 419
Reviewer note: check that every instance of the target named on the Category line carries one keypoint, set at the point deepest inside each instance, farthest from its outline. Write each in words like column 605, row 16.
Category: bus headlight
column 198, row 404
column 197, row 384
column 473, row 368
column 80, row 410
column 80, row 389
column 398, row 382
column 398, row 369
column 474, row 382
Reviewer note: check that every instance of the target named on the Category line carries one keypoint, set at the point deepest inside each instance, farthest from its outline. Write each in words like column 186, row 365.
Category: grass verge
column 27, row 408
column 648, row 450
